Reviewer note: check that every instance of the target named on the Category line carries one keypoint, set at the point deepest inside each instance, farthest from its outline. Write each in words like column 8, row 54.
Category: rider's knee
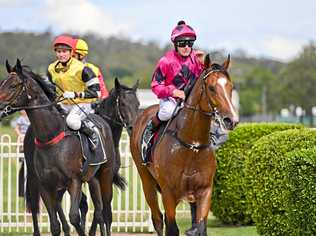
column 164, row 114
column 73, row 121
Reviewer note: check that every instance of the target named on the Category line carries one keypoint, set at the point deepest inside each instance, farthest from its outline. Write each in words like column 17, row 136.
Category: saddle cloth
column 96, row 157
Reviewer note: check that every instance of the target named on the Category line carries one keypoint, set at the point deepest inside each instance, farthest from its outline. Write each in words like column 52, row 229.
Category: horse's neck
column 109, row 109
column 46, row 122
column 193, row 125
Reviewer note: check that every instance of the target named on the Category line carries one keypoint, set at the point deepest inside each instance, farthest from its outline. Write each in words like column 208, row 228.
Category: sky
column 276, row 29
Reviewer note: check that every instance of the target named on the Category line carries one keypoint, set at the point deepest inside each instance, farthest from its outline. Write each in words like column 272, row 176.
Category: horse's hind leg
column 106, row 183
column 83, row 206
column 95, row 193
column 193, row 230
column 150, row 191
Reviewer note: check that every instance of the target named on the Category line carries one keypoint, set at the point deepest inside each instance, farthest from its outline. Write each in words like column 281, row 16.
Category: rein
column 191, row 146
column 8, row 109
column 195, row 108
column 120, row 121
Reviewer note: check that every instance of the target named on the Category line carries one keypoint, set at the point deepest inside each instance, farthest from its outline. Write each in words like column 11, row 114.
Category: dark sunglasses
column 184, row 43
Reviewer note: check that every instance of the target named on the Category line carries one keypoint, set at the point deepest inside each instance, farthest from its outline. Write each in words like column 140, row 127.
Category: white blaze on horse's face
column 222, row 82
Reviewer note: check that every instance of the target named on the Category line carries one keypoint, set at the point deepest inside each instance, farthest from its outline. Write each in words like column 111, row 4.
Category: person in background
column 81, row 53
column 20, row 126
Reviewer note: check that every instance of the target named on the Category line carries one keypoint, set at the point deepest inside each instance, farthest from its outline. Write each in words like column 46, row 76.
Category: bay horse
column 183, row 163
column 119, row 109
column 57, row 166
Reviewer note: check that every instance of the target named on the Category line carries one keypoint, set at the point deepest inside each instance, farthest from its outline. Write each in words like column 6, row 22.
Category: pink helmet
column 182, row 31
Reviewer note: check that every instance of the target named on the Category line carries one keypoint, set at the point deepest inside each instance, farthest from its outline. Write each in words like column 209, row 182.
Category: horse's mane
column 49, row 92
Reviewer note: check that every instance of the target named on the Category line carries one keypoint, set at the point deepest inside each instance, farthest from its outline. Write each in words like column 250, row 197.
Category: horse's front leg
column 203, row 206
column 75, row 197
column 170, row 205
column 61, row 214
column 50, row 201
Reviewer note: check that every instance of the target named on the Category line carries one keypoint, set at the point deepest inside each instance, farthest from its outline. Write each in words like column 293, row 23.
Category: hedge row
column 278, row 183
column 229, row 202
column 301, row 170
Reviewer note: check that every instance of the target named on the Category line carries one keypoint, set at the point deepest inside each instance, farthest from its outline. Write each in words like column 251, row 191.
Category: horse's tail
column 119, row 181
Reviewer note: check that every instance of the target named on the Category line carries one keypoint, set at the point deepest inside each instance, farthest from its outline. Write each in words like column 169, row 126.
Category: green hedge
column 229, row 199
column 301, row 170
column 268, row 190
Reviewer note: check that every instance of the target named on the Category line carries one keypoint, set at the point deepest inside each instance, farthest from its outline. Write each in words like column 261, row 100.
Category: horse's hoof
column 192, row 232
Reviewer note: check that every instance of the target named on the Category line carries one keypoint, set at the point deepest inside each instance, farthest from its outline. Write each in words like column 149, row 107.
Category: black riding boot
column 88, row 128
column 151, row 127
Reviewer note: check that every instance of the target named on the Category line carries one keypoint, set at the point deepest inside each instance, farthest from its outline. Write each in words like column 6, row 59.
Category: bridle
column 120, row 121
column 213, row 109
column 213, row 113
column 9, row 108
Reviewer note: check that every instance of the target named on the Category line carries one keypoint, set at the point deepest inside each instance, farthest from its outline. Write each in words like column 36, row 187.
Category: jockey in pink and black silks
column 175, row 70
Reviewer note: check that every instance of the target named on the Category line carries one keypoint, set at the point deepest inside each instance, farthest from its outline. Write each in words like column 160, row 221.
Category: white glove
column 69, row 95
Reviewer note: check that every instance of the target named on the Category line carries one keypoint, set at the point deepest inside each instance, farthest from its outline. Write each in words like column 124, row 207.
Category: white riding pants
column 76, row 114
column 166, row 108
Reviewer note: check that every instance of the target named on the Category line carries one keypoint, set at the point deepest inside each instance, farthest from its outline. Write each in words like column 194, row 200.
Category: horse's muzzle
column 229, row 123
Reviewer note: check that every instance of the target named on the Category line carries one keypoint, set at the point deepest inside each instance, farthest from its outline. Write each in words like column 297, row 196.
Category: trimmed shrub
column 268, row 188
column 301, row 170
column 229, row 194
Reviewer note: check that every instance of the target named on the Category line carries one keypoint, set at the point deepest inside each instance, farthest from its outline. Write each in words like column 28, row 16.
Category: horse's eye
column 212, row 88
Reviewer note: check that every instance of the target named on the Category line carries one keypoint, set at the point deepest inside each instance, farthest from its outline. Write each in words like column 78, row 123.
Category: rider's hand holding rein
column 69, row 95
column 178, row 94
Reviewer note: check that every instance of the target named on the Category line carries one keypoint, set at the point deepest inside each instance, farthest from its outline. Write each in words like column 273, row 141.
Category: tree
column 298, row 80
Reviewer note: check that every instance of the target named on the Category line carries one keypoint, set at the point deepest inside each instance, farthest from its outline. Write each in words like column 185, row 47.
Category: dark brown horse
column 183, row 163
column 57, row 167
column 119, row 109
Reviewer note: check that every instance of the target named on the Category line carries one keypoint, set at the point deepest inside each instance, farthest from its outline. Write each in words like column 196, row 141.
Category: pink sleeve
column 158, row 84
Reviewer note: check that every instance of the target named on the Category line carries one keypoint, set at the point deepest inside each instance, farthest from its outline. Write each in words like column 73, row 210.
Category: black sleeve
column 92, row 84
column 49, row 86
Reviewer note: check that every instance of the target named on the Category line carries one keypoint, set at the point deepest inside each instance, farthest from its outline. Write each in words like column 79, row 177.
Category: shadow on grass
column 216, row 228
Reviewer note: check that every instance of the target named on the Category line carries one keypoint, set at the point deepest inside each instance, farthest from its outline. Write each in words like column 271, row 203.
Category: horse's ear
column 227, row 62
column 207, row 61
column 18, row 66
column 136, row 85
column 8, row 66
column 117, row 84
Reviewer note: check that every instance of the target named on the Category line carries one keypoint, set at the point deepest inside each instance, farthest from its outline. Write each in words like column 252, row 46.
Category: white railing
column 130, row 211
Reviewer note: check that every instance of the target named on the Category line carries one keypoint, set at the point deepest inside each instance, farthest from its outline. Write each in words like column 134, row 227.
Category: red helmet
column 182, row 31
column 64, row 41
